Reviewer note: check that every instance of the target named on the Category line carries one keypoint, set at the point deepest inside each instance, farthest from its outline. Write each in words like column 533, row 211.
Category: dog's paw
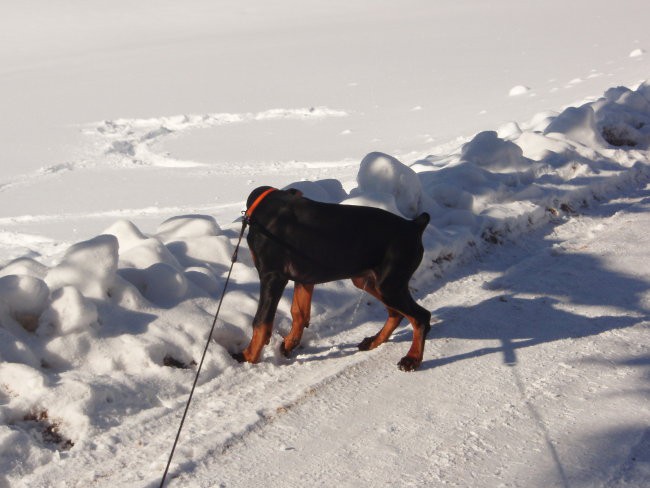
column 283, row 350
column 239, row 356
column 365, row 344
column 408, row 363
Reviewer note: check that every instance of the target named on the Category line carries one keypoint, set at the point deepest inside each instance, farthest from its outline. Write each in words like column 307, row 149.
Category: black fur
column 294, row 238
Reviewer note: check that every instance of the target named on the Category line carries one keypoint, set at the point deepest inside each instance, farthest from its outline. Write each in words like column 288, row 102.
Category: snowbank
column 118, row 324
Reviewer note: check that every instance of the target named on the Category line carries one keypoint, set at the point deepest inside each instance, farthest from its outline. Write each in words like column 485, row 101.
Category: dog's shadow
column 578, row 295
column 535, row 321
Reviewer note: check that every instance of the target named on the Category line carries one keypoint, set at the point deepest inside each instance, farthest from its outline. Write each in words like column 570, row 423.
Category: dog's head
column 255, row 194
column 258, row 192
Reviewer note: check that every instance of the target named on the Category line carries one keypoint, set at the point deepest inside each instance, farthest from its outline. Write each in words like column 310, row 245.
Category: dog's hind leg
column 271, row 288
column 394, row 317
column 402, row 302
column 413, row 358
column 300, row 313
column 393, row 320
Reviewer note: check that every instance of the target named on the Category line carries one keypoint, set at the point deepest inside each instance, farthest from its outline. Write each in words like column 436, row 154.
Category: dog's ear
column 295, row 192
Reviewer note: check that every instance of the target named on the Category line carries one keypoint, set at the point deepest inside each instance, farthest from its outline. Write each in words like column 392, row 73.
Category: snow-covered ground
column 131, row 135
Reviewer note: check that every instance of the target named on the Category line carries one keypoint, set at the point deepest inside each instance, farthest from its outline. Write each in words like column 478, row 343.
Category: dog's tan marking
column 300, row 313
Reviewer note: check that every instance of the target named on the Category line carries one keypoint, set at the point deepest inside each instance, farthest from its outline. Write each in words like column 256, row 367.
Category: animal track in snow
column 130, row 141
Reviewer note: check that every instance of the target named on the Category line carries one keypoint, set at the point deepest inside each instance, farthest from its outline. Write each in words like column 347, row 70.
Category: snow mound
column 24, row 266
column 624, row 116
column 97, row 314
column 501, row 183
column 160, row 283
column 327, row 191
column 68, row 311
column 126, row 233
column 186, row 226
column 23, row 299
column 491, row 152
column 577, row 124
column 518, row 90
column 387, row 183
column 90, row 266
column 187, row 247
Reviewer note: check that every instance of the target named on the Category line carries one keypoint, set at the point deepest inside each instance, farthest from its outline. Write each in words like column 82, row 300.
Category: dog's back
column 323, row 242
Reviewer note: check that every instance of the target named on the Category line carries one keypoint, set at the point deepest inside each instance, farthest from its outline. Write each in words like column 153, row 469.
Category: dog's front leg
column 271, row 288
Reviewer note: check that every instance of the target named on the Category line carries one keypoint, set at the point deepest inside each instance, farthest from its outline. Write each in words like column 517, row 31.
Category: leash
column 356, row 308
column 245, row 222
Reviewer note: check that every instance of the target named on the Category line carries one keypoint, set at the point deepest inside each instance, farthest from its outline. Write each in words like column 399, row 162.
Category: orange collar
column 257, row 201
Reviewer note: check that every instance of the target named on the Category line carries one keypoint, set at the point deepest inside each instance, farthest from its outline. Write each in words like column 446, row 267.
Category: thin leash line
column 356, row 308
column 205, row 350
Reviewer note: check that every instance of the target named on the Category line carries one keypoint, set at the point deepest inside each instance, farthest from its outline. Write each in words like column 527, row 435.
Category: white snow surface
column 132, row 135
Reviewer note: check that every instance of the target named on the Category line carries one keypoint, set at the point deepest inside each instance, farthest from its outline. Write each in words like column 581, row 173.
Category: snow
column 518, row 90
column 131, row 137
column 383, row 177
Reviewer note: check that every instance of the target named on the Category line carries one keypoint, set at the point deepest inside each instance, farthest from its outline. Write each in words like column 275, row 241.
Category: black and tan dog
column 309, row 242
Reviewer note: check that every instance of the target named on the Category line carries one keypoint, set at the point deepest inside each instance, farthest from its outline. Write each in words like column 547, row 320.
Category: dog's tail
column 422, row 221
